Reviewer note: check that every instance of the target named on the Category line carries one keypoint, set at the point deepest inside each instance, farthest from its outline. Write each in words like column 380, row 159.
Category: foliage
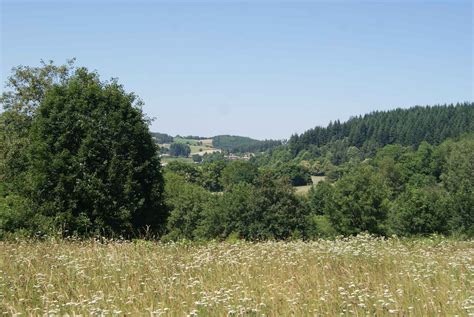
column 197, row 158
column 401, row 126
column 266, row 210
column 319, row 197
column 189, row 172
column 179, row 149
column 458, row 179
column 27, row 86
column 238, row 171
column 77, row 158
column 211, row 175
column 298, row 175
column 25, row 89
column 92, row 166
column 239, row 144
column 359, row 202
column 421, row 211
column 213, row 157
column 162, row 138
column 403, row 191
column 186, row 203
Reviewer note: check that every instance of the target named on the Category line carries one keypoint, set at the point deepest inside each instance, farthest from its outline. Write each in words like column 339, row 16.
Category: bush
column 297, row 174
column 186, row 203
column 421, row 211
column 238, row 171
column 319, row 197
column 197, row 158
column 360, row 202
column 266, row 210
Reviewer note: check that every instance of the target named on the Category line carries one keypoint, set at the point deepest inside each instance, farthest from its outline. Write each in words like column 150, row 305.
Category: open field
column 196, row 148
column 207, row 151
column 303, row 190
column 185, row 141
column 357, row 276
column 317, row 179
column 202, row 149
column 168, row 159
column 205, row 147
column 207, row 142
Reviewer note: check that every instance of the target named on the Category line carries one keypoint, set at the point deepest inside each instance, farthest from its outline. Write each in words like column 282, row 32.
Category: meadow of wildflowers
column 357, row 276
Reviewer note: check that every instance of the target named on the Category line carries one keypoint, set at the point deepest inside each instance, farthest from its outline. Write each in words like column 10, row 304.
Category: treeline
column 77, row 159
column 401, row 191
column 230, row 199
column 239, row 144
column 193, row 137
column 400, row 126
column 179, row 149
column 228, row 143
column 162, row 138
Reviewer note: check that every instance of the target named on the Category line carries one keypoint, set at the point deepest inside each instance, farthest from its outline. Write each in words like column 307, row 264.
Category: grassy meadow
column 185, row 141
column 353, row 276
column 168, row 159
column 303, row 190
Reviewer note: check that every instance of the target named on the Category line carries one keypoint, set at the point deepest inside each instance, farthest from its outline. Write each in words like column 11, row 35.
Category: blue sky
column 264, row 69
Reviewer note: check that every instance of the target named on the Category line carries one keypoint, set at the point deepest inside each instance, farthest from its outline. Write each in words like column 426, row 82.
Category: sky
column 261, row 68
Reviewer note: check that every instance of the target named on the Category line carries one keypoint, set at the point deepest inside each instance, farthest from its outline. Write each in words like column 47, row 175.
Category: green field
column 303, row 190
column 168, row 159
column 185, row 141
column 199, row 148
column 206, row 144
column 361, row 276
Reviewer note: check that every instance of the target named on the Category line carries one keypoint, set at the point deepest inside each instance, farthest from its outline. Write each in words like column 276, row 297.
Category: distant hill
column 162, row 138
column 231, row 143
column 239, row 144
column 400, row 126
column 369, row 132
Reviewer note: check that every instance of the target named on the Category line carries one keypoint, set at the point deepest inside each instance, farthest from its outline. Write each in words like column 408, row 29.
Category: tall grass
column 356, row 276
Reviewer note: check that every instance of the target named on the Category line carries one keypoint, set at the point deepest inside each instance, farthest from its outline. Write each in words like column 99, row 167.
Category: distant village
column 194, row 151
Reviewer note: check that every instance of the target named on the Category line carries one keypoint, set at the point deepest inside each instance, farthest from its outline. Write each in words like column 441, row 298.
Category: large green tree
column 359, row 202
column 24, row 91
column 421, row 211
column 238, row 172
column 267, row 209
column 458, row 179
column 93, row 163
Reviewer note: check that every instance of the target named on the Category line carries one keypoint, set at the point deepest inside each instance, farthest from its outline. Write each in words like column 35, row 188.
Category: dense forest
column 77, row 159
column 400, row 126
column 402, row 190
column 321, row 150
column 239, row 144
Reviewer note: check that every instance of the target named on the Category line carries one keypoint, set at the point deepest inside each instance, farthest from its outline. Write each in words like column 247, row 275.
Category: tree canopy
column 90, row 166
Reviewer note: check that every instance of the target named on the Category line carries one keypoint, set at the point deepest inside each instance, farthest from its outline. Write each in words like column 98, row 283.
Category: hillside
column 233, row 143
column 162, row 138
column 400, row 126
column 228, row 143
